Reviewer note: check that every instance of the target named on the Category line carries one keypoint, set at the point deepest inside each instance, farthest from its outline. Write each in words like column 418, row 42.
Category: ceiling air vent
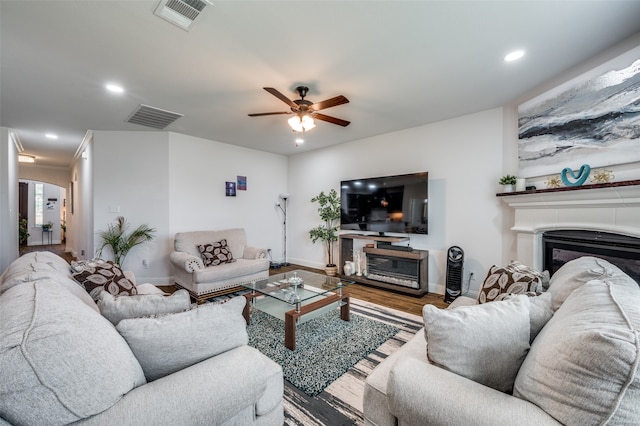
column 181, row 13
column 153, row 117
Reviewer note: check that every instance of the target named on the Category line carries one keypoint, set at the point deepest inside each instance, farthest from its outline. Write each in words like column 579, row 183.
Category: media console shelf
column 399, row 270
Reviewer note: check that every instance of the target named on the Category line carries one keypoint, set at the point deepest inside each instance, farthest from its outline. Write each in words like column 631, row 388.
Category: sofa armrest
column 186, row 261
column 254, row 253
column 210, row 392
column 421, row 393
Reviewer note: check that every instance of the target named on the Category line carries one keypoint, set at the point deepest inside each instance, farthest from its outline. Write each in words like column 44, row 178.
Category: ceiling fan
column 306, row 111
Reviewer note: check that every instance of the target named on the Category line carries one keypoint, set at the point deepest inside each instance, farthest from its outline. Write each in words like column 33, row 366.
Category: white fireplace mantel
column 611, row 208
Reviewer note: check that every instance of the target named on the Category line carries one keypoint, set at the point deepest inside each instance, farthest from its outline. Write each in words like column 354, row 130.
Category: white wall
column 8, row 198
column 175, row 183
column 464, row 158
column 198, row 172
column 55, row 175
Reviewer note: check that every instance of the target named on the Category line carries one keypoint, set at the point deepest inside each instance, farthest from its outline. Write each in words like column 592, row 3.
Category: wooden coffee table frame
column 291, row 317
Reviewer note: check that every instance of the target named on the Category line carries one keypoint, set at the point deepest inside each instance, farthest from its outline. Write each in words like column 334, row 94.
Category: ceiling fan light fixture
column 301, row 123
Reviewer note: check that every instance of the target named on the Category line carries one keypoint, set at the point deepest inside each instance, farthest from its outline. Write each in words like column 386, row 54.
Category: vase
column 331, row 270
column 348, row 268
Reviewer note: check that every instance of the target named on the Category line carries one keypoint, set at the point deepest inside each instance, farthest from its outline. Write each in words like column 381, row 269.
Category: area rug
column 341, row 402
column 326, row 346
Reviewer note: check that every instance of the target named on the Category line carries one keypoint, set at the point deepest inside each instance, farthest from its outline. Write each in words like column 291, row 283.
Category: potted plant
column 47, row 226
column 329, row 212
column 23, row 231
column 507, row 182
column 121, row 243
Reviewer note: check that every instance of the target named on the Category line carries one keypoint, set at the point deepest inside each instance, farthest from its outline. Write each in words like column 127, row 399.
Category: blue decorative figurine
column 580, row 178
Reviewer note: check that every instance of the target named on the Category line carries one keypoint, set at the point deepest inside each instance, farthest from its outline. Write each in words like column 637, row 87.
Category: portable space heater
column 455, row 259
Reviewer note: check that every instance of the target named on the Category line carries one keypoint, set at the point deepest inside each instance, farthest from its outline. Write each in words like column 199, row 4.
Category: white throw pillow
column 583, row 367
column 165, row 344
column 117, row 308
column 485, row 343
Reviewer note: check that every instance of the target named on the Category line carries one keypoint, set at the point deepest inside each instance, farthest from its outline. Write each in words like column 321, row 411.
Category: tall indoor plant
column 120, row 242
column 329, row 212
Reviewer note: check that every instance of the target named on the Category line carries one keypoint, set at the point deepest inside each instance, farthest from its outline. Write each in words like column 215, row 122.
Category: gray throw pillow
column 165, row 344
column 117, row 308
column 485, row 343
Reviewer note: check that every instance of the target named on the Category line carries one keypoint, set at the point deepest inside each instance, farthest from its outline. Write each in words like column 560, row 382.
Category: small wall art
column 242, row 183
column 230, row 190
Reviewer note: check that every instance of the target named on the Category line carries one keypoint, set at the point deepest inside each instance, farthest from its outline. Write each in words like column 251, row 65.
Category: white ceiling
column 401, row 64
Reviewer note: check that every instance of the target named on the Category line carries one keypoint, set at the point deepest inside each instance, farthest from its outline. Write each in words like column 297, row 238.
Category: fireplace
column 561, row 246
column 552, row 226
column 394, row 270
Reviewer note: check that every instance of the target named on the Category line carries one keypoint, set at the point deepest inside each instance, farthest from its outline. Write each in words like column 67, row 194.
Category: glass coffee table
column 295, row 297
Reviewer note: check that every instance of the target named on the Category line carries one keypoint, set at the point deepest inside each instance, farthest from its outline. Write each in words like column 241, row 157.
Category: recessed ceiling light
column 514, row 56
column 51, row 136
column 114, row 88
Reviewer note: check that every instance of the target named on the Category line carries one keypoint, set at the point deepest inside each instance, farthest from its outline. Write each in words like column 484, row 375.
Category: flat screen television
column 396, row 204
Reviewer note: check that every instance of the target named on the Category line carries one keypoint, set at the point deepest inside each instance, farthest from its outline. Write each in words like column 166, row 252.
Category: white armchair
column 202, row 282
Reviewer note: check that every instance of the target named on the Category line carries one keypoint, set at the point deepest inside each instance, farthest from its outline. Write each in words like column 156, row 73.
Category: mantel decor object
column 580, row 178
column 602, row 176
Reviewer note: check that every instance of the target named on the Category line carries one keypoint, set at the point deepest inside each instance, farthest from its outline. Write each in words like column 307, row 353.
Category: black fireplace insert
column 564, row 245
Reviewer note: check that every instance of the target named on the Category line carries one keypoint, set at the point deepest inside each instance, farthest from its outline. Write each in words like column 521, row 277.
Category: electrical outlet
column 81, row 252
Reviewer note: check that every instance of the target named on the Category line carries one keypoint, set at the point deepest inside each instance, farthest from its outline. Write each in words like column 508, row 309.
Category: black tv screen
column 397, row 204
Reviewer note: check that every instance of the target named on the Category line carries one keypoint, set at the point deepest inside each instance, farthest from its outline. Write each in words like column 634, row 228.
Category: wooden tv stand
column 420, row 257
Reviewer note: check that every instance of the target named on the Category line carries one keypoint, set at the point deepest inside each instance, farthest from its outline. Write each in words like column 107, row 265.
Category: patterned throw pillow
column 105, row 275
column 501, row 282
column 216, row 253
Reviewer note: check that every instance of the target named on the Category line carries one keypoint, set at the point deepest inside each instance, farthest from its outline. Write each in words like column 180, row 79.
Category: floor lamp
column 283, row 206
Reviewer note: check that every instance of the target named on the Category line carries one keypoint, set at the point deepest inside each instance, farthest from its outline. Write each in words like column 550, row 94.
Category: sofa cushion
column 105, row 276
column 514, row 278
column 117, row 308
column 576, row 272
column 164, row 344
column 485, row 343
column 217, row 253
column 231, row 271
column 583, row 367
column 60, row 361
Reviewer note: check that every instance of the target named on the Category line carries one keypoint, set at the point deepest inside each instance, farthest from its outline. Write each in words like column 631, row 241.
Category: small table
column 292, row 295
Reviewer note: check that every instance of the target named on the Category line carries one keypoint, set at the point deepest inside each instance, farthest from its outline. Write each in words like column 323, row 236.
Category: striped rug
column 341, row 402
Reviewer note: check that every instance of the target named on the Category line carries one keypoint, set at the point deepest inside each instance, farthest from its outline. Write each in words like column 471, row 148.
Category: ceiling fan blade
column 280, row 96
column 329, row 119
column 338, row 100
column 269, row 113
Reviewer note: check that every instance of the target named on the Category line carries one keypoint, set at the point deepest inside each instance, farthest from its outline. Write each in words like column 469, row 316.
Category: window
column 39, row 203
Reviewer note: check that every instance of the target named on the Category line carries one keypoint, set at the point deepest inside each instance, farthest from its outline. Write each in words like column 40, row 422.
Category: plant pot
column 507, row 188
column 331, row 270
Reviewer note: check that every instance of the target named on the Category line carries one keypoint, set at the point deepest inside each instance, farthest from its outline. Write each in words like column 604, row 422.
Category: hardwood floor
column 391, row 299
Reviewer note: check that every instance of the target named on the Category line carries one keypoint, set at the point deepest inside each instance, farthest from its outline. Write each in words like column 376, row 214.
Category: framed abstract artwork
column 242, row 183
column 592, row 119
column 230, row 189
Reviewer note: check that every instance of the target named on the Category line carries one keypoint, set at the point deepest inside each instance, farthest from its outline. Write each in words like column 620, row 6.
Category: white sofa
column 62, row 362
column 250, row 263
column 581, row 367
